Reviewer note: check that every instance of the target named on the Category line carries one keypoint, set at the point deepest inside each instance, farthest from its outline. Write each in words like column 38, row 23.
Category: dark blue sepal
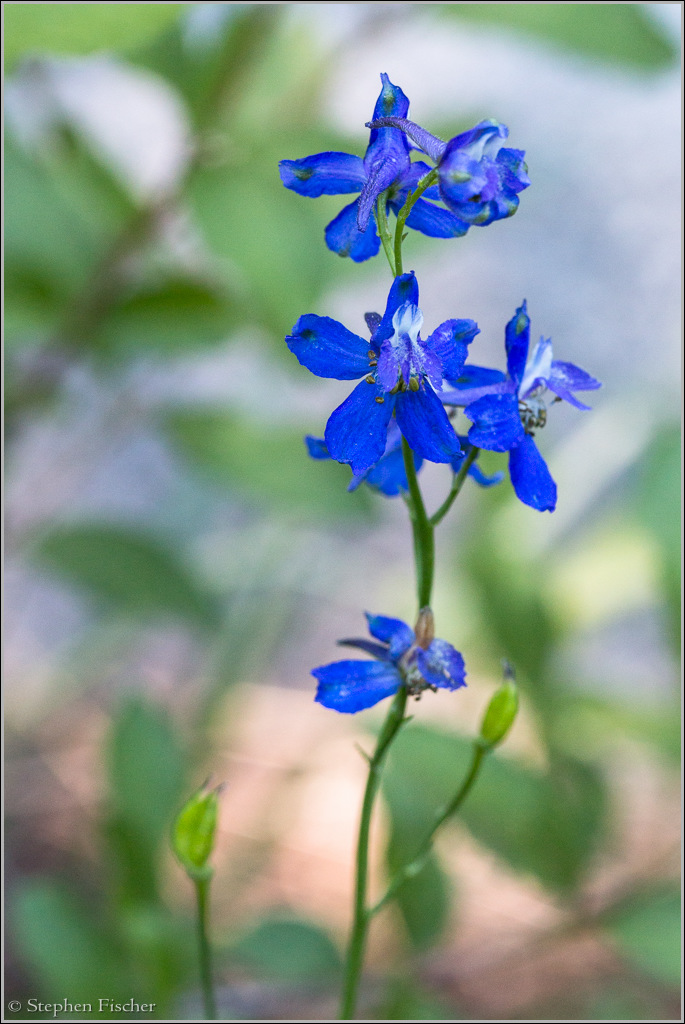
column 530, row 477
column 351, row 686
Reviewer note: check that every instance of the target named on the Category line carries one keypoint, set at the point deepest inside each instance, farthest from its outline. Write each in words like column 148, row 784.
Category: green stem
column 424, row 556
column 205, row 957
column 412, row 869
column 384, row 230
column 424, row 538
column 362, row 916
column 457, row 483
column 412, row 198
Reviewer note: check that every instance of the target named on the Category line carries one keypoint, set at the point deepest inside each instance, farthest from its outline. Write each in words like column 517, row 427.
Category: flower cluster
column 411, row 387
column 385, row 168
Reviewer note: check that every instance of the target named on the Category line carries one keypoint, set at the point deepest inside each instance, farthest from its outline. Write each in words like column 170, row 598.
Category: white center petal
column 408, row 320
column 539, row 366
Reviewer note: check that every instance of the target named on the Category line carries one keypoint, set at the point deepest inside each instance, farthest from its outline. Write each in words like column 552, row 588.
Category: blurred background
column 175, row 565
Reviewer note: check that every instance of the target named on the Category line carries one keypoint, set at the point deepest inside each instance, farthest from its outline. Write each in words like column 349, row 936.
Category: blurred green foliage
column 257, row 458
column 287, row 949
column 647, row 930
column 93, row 280
column 34, row 29
column 618, row 33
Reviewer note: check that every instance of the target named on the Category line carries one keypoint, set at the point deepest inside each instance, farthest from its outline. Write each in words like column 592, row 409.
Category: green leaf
column 617, row 33
column 288, row 950
column 72, row 955
column 168, row 316
column 647, row 931
column 146, row 776
column 269, row 464
column 130, row 572
column 424, row 900
column 545, row 824
column 145, row 767
column 32, row 29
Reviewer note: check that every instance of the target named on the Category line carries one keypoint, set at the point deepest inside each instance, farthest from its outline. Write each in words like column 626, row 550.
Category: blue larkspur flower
column 400, row 660
column 506, row 409
column 388, row 476
column 479, row 179
column 401, row 372
column 385, row 166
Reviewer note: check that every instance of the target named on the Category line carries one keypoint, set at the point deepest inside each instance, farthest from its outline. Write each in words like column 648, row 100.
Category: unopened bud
column 194, row 831
column 500, row 715
column 425, row 629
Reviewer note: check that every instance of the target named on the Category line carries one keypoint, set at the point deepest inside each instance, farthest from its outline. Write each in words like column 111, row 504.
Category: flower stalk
column 192, row 841
column 204, row 949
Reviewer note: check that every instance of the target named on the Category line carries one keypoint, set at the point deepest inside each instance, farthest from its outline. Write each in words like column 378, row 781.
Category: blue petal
column 356, row 431
column 441, row 665
column 481, row 141
column 387, row 155
column 328, row 349
column 467, row 396
column 394, row 632
column 330, row 174
column 344, row 237
column 450, row 343
column 391, row 101
column 404, row 288
column 373, row 322
column 513, row 170
column 478, row 376
column 434, row 221
column 530, row 476
column 423, row 421
column 496, row 422
column 565, row 378
column 517, row 339
column 351, row 686
column 316, row 447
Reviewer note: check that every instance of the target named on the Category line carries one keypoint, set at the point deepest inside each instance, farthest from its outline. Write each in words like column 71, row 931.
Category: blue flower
column 401, row 375
column 386, row 166
column 401, row 660
column 506, row 410
column 479, row 180
column 389, row 476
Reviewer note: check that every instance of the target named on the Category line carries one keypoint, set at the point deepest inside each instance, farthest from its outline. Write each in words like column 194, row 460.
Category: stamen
column 414, row 384
column 370, row 379
column 380, row 399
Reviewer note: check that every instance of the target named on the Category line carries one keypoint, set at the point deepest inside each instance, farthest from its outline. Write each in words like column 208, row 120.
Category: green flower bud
column 500, row 715
column 194, row 830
